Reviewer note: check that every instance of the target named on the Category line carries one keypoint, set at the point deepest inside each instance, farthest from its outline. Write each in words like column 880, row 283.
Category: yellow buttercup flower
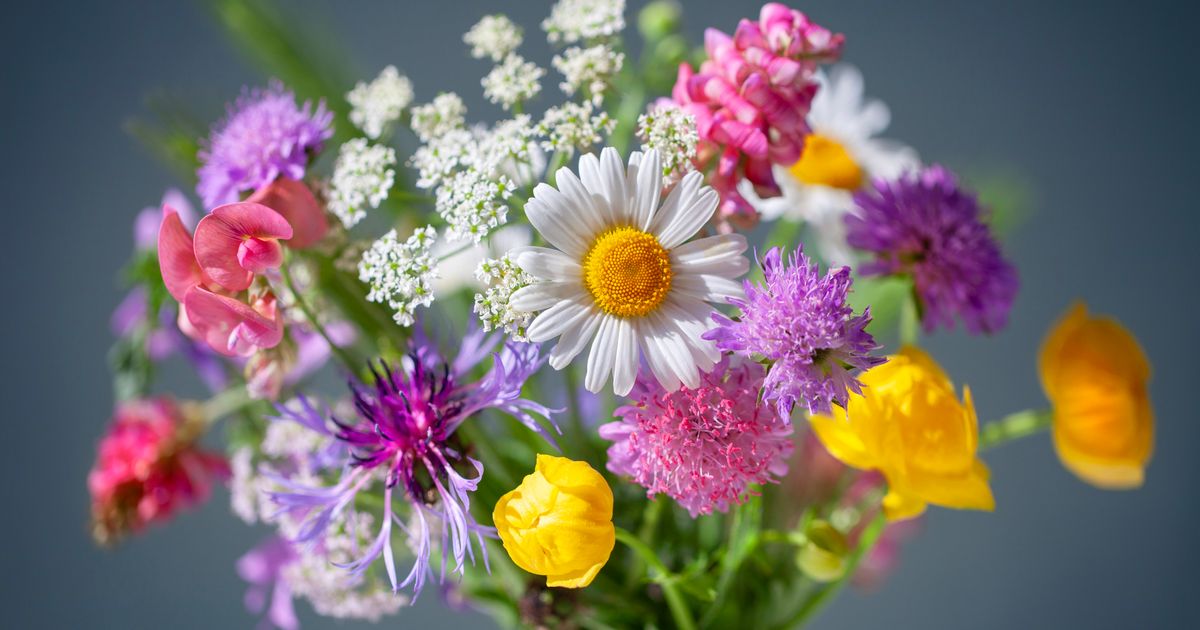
column 558, row 522
column 1095, row 374
column 909, row 425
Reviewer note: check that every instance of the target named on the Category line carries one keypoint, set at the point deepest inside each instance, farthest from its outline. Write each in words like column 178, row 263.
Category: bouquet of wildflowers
column 644, row 352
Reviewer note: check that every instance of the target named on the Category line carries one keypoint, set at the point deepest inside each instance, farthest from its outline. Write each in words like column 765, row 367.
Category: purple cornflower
column 799, row 320
column 264, row 135
column 925, row 225
column 403, row 435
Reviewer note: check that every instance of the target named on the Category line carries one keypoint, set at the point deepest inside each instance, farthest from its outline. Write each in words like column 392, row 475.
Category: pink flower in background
column 296, row 202
column 148, row 467
column 750, row 99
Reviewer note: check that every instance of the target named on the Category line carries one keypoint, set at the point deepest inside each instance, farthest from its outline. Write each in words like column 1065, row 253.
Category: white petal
column 547, row 264
column 644, row 178
column 593, row 181
column 612, row 176
column 602, row 354
column 575, row 339
column 687, row 208
column 557, row 319
column 587, row 207
column 543, row 295
column 625, row 367
column 693, row 318
column 720, row 255
column 552, row 217
column 707, row 287
column 674, row 351
column 653, row 333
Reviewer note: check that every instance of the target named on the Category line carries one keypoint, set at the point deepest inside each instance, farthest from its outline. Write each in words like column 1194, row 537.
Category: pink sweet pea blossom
column 299, row 206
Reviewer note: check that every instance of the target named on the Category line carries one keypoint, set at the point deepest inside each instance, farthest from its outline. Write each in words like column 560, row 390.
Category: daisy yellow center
column 826, row 162
column 627, row 272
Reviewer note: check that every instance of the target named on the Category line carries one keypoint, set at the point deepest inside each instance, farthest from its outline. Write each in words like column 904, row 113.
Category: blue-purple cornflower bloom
column 263, row 136
column 798, row 319
column 403, row 435
column 924, row 224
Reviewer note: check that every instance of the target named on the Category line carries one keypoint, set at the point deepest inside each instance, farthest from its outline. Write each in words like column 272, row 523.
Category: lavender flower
column 799, row 321
column 264, row 135
column 403, row 437
column 925, row 225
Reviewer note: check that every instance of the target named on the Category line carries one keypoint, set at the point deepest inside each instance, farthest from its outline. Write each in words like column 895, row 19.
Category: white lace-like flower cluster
column 362, row 176
column 502, row 277
column 582, row 20
column 400, row 274
column 474, row 203
column 379, row 103
column 672, row 132
column 445, row 113
column 494, row 36
column 589, row 70
column 573, row 126
column 512, row 81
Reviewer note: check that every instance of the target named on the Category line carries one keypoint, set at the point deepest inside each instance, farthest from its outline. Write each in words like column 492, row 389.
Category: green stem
column 649, row 526
column 349, row 361
column 910, row 321
column 1015, row 426
column 869, row 537
column 680, row 612
column 227, row 402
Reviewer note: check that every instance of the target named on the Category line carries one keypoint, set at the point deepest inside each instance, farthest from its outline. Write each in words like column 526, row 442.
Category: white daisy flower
column 622, row 273
column 841, row 155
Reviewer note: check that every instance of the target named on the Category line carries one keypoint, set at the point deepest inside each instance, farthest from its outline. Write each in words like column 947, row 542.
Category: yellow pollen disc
column 627, row 272
column 825, row 162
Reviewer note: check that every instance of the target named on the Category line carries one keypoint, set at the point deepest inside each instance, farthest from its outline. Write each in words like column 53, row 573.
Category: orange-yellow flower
column 558, row 522
column 910, row 425
column 1095, row 374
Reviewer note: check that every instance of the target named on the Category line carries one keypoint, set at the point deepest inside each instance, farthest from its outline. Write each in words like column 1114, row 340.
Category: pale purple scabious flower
column 403, row 436
column 702, row 447
column 925, row 225
column 799, row 320
column 263, row 136
column 262, row 568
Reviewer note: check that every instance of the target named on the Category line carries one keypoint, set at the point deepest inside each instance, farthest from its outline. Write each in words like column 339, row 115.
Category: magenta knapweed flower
column 799, row 320
column 750, row 99
column 264, row 135
column 702, row 447
column 147, row 468
column 925, row 225
column 403, row 437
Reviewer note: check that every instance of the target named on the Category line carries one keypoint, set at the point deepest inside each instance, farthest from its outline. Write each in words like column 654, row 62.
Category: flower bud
column 558, row 522
column 822, row 557
column 659, row 19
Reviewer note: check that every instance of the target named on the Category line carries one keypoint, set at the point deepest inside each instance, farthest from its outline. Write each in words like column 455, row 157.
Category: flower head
column 573, row 126
column 702, row 446
column 571, row 21
column 589, row 70
column 299, row 207
column 513, row 81
column 799, row 320
column 148, row 467
column 493, row 36
column 925, row 225
column 400, row 274
column 377, row 104
column 362, row 177
column 503, row 278
column 909, row 425
column 264, row 135
column 623, row 273
column 558, row 522
column 666, row 128
column 1095, row 374
column 444, row 114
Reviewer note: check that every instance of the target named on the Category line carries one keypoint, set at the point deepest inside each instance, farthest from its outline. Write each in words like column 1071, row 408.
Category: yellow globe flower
column 909, row 425
column 1095, row 374
column 558, row 522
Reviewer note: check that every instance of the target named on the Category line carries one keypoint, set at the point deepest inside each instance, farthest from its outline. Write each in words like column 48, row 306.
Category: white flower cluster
column 589, row 70
column 400, row 274
column 672, row 132
column 512, row 81
column 502, row 277
column 474, row 203
column 446, row 113
column 573, row 125
column 494, row 36
column 575, row 20
column 244, row 487
column 377, row 104
column 362, row 177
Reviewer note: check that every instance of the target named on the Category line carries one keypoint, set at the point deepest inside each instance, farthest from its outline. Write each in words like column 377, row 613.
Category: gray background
column 1094, row 102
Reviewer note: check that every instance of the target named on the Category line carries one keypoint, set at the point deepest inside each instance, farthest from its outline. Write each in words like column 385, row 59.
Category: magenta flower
column 264, row 135
column 702, row 447
column 147, row 468
column 750, row 100
column 925, row 225
column 799, row 320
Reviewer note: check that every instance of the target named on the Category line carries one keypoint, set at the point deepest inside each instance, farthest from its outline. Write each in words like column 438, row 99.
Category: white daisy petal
column 589, row 174
column 588, row 209
column 709, row 288
column 687, row 208
column 542, row 295
column 612, row 173
column 721, row 254
column 625, row 366
column 575, row 339
column 674, row 350
column 693, row 318
column 551, row 216
column 644, row 178
column 601, row 356
column 547, row 264
column 652, row 331
column 556, row 320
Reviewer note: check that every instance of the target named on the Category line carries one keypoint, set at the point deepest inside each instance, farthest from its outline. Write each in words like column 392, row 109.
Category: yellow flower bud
column 558, row 522
column 909, row 425
column 1095, row 374
column 822, row 557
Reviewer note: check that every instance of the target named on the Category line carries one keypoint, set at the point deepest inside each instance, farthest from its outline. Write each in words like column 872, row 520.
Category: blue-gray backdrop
column 1093, row 102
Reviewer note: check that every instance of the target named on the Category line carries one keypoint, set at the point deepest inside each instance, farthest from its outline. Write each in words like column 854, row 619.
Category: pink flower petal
column 176, row 260
column 221, row 234
column 296, row 203
column 231, row 327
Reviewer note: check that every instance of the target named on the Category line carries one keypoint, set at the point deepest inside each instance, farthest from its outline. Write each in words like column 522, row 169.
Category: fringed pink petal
column 294, row 200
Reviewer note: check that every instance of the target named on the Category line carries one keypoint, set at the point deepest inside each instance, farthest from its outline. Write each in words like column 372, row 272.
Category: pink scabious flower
column 702, row 447
column 264, row 135
column 147, row 468
column 211, row 275
column 750, row 99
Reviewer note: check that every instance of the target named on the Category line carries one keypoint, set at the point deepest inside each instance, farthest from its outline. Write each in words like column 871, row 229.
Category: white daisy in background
column 840, row 155
column 621, row 273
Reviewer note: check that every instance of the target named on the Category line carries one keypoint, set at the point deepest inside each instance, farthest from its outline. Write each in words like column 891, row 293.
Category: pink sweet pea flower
column 238, row 240
column 299, row 206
